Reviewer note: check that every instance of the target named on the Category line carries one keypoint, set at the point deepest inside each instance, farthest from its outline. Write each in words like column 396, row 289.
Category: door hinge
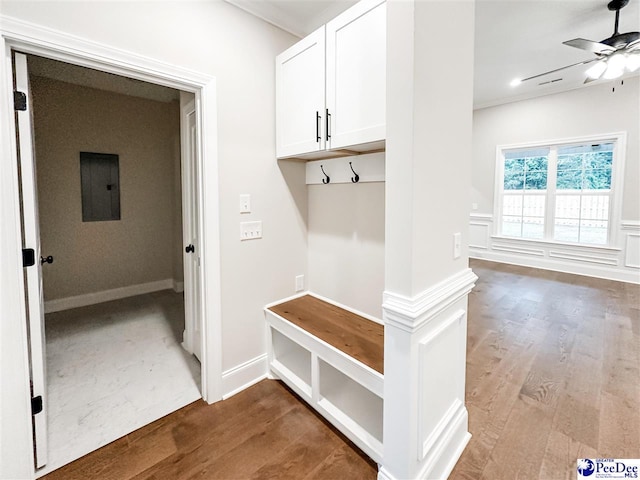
column 28, row 257
column 19, row 101
column 36, row 405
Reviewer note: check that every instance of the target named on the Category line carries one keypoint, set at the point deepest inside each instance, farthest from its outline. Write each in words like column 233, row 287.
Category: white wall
column 592, row 110
column 218, row 39
column 587, row 111
column 346, row 244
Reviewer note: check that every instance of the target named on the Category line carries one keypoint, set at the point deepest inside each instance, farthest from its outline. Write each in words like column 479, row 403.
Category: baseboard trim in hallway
column 87, row 299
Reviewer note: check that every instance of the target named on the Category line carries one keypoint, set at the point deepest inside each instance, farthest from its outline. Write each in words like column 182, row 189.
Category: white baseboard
column 106, row 295
column 243, row 376
column 609, row 273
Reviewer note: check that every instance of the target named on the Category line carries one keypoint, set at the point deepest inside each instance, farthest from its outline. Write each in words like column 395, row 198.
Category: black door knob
column 44, row 260
column 190, row 249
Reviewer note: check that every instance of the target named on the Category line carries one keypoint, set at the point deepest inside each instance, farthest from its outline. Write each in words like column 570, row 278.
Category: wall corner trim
column 411, row 313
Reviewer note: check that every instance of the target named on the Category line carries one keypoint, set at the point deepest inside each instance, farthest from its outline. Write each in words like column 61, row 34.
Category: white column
column 428, row 182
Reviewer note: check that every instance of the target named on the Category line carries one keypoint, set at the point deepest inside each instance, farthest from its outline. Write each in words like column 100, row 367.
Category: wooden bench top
column 352, row 334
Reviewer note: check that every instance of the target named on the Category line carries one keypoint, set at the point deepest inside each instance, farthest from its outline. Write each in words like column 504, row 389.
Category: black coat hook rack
column 327, row 179
column 355, row 179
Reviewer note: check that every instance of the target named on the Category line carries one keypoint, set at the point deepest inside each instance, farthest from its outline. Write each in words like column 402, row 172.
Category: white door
column 300, row 109
column 356, row 75
column 31, row 244
column 192, row 338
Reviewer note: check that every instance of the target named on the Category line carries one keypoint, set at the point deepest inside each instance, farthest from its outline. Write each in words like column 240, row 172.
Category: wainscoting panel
column 439, row 352
column 620, row 262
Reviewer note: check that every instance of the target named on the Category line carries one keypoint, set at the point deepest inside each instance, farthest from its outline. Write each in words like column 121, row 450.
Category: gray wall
column 141, row 247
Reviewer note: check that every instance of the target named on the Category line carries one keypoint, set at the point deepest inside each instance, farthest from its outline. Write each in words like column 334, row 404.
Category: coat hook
column 325, row 180
column 355, row 179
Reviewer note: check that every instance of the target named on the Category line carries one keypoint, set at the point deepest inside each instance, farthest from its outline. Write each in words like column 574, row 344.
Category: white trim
column 369, row 167
column 241, row 377
column 481, row 217
column 93, row 298
column 309, row 389
column 430, row 439
column 628, row 262
column 561, row 266
column 270, row 14
column 410, row 314
column 613, row 263
column 36, row 39
column 630, row 225
column 615, row 194
column 550, row 243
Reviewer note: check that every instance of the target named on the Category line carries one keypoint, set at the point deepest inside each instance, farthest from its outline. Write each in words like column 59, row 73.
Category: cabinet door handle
column 328, row 125
column 317, row 126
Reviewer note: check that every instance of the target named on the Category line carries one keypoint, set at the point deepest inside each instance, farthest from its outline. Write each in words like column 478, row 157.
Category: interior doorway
column 86, row 404
column 16, row 408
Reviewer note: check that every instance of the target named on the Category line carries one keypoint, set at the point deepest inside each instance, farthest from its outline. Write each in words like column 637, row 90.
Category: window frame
column 618, row 139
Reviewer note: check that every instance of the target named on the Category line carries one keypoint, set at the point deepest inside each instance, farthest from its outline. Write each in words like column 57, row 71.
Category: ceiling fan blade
column 590, row 45
column 559, row 69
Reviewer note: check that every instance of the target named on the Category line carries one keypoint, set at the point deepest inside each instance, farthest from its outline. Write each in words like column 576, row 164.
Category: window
column 558, row 193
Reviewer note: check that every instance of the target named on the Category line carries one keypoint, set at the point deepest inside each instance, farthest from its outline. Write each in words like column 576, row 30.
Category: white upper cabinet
column 331, row 87
column 356, row 75
column 300, row 97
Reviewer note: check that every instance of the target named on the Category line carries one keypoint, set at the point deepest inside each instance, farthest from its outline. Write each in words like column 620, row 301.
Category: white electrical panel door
column 356, row 75
column 300, row 107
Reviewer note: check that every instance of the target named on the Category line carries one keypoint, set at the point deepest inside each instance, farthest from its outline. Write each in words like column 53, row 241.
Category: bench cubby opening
column 333, row 359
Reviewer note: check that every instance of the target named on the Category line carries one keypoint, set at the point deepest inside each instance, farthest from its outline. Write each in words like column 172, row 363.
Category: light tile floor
column 112, row 368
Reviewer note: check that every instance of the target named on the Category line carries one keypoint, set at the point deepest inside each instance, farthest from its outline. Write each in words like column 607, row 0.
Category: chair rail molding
column 410, row 314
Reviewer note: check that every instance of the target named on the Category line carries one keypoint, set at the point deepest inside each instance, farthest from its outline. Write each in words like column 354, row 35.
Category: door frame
column 16, row 442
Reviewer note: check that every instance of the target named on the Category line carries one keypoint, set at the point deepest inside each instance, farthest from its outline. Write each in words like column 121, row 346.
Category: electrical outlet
column 474, row 206
column 299, row 283
column 457, row 245
column 250, row 230
column 245, row 203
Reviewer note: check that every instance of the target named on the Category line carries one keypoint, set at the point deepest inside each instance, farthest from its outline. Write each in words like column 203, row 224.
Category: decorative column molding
column 410, row 314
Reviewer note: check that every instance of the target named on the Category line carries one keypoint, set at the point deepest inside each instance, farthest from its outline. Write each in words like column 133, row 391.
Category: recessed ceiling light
column 515, row 82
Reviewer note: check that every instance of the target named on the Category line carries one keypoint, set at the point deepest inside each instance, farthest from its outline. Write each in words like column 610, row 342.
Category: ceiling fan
column 614, row 55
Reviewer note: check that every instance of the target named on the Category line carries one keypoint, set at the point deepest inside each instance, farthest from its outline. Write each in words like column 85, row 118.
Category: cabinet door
column 356, row 75
column 300, row 97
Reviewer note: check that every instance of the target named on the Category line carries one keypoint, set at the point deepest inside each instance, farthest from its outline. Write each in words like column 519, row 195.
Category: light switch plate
column 457, row 245
column 250, row 230
column 245, row 203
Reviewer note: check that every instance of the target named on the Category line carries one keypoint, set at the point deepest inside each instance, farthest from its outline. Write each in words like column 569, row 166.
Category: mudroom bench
column 333, row 358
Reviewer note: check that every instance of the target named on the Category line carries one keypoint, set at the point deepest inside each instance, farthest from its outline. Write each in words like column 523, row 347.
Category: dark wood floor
column 552, row 373
column 552, row 376
column 264, row 432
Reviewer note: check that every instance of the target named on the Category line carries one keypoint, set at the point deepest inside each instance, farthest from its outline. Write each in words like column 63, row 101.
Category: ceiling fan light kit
column 615, row 55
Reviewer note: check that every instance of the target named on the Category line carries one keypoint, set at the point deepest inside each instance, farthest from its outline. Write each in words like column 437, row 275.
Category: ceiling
column 87, row 77
column 513, row 38
column 524, row 41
